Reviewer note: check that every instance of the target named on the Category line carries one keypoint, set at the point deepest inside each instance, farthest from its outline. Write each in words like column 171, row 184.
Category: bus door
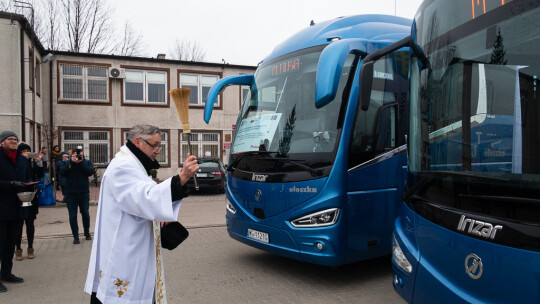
column 377, row 158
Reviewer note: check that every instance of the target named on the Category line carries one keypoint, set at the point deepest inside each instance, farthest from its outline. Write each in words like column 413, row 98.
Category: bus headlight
column 231, row 208
column 318, row 219
column 399, row 257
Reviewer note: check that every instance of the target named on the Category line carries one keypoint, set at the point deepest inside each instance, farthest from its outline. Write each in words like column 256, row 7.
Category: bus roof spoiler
column 219, row 86
column 330, row 66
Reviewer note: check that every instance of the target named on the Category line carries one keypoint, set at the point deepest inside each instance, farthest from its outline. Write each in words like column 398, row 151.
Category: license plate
column 201, row 175
column 259, row 236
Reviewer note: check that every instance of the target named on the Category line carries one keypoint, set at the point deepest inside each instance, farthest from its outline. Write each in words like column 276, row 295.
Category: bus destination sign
column 285, row 67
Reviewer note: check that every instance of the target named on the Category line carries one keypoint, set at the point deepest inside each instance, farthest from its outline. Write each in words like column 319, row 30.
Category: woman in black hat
column 35, row 170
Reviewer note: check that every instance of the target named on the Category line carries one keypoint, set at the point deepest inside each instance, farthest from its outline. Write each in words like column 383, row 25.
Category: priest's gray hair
column 142, row 130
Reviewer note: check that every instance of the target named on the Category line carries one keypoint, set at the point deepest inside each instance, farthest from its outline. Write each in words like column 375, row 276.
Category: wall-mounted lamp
column 47, row 58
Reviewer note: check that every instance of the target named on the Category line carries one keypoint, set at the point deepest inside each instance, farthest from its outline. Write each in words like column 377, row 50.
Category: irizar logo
column 478, row 228
column 259, row 177
column 307, row 189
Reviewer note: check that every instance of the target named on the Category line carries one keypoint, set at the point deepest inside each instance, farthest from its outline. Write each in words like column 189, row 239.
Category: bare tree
column 78, row 26
column 131, row 41
column 88, row 25
column 48, row 30
column 188, row 51
column 4, row 6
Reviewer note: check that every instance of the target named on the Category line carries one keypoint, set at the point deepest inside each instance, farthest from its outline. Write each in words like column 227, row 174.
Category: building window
column 163, row 156
column 202, row 144
column 84, row 83
column 96, row 144
column 200, row 85
column 145, row 87
column 38, row 78
column 244, row 93
column 31, row 69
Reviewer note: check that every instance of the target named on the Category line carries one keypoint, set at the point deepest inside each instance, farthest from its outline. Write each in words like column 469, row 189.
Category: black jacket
column 76, row 176
column 10, row 205
column 36, row 174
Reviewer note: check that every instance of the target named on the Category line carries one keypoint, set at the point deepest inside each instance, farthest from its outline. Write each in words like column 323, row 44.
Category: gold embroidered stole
column 160, row 296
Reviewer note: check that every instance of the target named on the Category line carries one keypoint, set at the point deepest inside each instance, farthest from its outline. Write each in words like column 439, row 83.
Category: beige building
column 92, row 99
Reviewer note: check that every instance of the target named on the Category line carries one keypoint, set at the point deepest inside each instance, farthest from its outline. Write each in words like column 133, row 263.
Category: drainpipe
column 51, row 124
column 23, row 93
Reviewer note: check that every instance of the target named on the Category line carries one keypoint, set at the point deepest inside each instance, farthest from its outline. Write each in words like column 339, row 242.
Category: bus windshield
column 279, row 121
column 475, row 109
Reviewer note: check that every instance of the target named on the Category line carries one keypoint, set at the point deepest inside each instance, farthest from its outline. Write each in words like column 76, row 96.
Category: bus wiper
column 468, row 174
column 244, row 154
column 409, row 192
column 314, row 172
column 425, row 180
column 236, row 160
column 284, row 157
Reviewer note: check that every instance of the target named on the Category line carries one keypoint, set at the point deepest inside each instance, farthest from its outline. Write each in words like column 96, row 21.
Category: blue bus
column 469, row 230
column 311, row 176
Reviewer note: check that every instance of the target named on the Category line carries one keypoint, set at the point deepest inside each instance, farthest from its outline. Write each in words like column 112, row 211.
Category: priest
column 126, row 265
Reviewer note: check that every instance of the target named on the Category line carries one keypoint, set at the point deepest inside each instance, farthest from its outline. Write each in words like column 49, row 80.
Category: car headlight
column 318, row 219
column 399, row 257
column 231, row 208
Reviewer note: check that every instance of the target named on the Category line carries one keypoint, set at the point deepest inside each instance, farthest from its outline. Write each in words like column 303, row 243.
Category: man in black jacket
column 13, row 177
column 76, row 171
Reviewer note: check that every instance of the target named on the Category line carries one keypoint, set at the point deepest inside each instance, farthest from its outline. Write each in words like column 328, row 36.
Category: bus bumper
column 300, row 246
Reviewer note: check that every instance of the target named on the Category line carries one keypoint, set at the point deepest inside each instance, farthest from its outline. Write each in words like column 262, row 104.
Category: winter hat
column 23, row 146
column 64, row 154
column 7, row 133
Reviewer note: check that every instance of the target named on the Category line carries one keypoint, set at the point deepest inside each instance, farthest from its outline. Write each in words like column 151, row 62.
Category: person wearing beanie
column 59, row 164
column 35, row 170
column 13, row 179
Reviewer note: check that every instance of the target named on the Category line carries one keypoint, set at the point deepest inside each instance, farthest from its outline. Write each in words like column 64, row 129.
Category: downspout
column 51, row 124
column 23, row 93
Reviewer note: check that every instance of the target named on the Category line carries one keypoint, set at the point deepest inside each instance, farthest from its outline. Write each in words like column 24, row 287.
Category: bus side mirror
column 330, row 68
column 366, row 79
column 220, row 86
column 366, row 71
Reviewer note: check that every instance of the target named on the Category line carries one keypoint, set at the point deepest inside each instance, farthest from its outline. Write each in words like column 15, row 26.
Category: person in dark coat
column 76, row 171
column 61, row 179
column 36, row 171
column 13, row 179
column 56, row 157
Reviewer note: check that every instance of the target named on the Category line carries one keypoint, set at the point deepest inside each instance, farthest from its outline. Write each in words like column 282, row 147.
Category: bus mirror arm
column 366, row 71
column 330, row 68
column 219, row 86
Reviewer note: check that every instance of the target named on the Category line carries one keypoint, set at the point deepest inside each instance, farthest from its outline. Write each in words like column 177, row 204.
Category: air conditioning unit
column 117, row 73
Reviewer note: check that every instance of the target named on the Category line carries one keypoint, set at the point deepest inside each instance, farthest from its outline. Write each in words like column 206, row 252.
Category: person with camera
column 13, row 179
column 76, row 171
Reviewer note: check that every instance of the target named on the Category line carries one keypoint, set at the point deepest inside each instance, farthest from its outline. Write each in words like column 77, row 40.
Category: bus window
column 380, row 129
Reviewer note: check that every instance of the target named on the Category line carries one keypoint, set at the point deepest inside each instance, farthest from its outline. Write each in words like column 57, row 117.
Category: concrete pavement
column 209, row 267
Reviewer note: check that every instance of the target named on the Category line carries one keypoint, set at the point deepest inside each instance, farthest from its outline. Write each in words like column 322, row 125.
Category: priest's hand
column 190, row 168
